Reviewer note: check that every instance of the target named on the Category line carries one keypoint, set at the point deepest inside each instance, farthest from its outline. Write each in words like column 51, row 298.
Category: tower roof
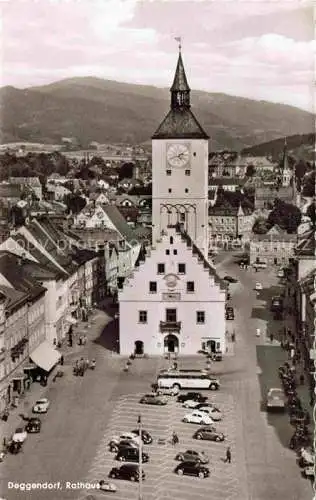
column 180, row 82
column 180, row 122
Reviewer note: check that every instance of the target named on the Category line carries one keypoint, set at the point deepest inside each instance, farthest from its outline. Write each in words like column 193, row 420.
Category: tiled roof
column 306, row 244
column 14, row 297
column 180, row 124
column 14, row 270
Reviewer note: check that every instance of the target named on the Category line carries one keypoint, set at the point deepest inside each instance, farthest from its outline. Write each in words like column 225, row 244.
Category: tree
column 285, row 215
column 310, row 212
column 74, row 202
column 309, row 185
column 250, row 172
column 261, row 226
column 126, row 171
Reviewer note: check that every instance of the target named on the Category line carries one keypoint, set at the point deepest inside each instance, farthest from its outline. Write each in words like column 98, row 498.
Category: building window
column 187, row 172
column 160, row 269
column 190, row 286
column 167, row 252
column 200, row 317
column 186, row 190
column 142, row 316
column 181, row 268
column 171, row 315
column 153, row 286
column 182, row 217
column 169, row 190
column 175, row 252
column 171, row 240
column 168, row 172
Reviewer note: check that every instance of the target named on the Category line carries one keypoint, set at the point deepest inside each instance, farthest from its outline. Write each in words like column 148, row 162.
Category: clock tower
column 180, row 168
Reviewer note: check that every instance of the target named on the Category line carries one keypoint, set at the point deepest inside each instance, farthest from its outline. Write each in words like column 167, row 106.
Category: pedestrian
column 228, row 458
column 175, row 439
column 302, row 379
column 61, row 360
column 271, row 337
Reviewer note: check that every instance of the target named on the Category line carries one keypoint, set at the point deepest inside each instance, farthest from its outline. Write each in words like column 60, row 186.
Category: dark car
column 153, row 399
column 195, row 396
column 131, row 455
column 126, row 471
column 229, row 279
column 192, row 469
column 115, row 447
column 146, row 437
column 208, row 434
column 192, row 456
column 215, row 356
column 230, row 313
column 207, row 405
column 33, row 425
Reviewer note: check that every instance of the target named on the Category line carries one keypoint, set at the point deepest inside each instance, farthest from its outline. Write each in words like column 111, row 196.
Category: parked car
column 208, row 434
column 115, row 447
column 230, row 279
column 198, row 417
column 190, row 403
column 258, row 286
column 125, row 437
column 146, row 437
column 192, row 469
column 230, row 315
column 212, row 412
column 260, row 265
column 192, row 456
column 41, row 406
column 309, row 472
column 168, row 391
column 106, row 486
column 19, row 435
column 277, row 304
column 126, row 471
column 280, row 273
column 33, row 426
column 131, row 455
column 215, row 356
column 195, row 396
column 276, row 399
column 153, row 399
column 207, row 405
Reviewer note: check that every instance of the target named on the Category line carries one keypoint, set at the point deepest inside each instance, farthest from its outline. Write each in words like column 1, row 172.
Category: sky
column 262, row 50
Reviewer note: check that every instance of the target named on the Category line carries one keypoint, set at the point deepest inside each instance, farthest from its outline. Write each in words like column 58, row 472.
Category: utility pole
column 140, row 463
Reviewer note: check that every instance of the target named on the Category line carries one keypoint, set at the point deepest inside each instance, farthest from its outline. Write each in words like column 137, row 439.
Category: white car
column 41, row 406
column 190, row 403
column 19, row 436
column 258, row 286
column 276, row 399
column 106, row 486
column 198, row 417
column 280, row 273
column 215, row 414
column 125, row 436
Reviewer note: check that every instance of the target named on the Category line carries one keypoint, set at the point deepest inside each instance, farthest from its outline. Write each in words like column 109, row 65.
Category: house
column 98, row 198
column 112, row 266
column 228, row 222
column 10, row 194
column 58, row 191
column 32, row 182
column 174, row 302
column 232, row 184
column 306, row 311
column 276, row 247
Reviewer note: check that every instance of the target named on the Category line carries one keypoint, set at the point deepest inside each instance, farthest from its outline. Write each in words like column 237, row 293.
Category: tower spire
column 180, row 90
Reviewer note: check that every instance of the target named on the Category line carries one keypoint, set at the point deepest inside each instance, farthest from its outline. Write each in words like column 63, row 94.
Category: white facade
column 181, row 194
column 191, row 330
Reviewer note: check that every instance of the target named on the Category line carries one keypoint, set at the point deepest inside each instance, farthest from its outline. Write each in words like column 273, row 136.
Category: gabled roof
column 15, row 272
column 180, row 124
column 120, row 223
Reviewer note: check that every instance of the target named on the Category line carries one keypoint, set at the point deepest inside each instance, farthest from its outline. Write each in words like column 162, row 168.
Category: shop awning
column 45, row 356
column 71, row 320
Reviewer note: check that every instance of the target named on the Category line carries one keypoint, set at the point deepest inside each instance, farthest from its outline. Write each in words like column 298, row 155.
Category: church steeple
column 180, row 90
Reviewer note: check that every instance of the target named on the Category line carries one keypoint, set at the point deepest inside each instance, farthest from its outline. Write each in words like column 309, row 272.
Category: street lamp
column 140, row 463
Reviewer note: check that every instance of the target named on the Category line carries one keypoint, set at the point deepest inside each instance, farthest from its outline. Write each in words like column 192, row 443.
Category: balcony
column 170, row 326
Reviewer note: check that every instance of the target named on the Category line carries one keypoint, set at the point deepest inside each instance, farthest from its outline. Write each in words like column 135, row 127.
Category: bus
column 187, row 379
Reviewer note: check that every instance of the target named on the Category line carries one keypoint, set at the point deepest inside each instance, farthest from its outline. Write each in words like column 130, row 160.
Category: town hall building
column 175, row 301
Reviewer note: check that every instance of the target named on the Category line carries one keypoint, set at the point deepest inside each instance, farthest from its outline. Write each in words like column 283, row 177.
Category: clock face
column 178, row 155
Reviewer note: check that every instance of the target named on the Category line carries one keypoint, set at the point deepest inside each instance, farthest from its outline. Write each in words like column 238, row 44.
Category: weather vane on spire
column 178, row 39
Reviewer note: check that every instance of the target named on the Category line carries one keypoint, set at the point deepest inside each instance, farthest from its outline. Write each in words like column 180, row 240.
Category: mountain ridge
column 94, row 109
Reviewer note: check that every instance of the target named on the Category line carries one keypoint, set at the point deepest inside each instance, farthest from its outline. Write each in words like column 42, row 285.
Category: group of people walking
column 82, row 365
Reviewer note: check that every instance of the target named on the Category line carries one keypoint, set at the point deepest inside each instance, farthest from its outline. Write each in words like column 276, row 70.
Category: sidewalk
column 38, row 391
